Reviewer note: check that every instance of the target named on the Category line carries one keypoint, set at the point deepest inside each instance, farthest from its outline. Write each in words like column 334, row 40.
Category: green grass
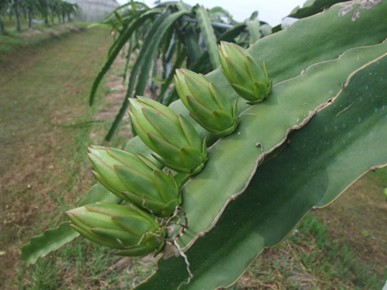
column 309, row 259
column 44, row 169
column 381, row 175
column 84, row 265
column 9, row 41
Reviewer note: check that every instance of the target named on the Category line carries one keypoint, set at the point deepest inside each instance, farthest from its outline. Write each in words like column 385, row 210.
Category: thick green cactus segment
column 321, row 37
column 49, row 241
column 171, row 136
column 351, row 137
column 123, row 227
column 135, row 178
column 312, row 7
column 291, row 105
column 207, row 103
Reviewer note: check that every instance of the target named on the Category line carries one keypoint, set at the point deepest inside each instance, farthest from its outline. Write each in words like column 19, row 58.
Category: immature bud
column 176, row 142
column 136, row 179
column 248, row 79
column 128, row 229
column 206, row 103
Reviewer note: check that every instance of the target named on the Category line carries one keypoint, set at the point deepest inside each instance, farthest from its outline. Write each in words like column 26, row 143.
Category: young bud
column 248, row 79
column 206, row 104
column 128, row 229
column 174, row 140
column 136, row 179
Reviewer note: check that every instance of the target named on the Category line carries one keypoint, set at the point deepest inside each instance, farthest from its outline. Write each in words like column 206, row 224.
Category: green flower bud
column 176, row 142
column 136, row 179
column 128, row 229
column 248, row 79
column 207, row 105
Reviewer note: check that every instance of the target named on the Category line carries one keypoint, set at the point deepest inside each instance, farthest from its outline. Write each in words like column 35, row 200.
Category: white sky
column 271, row 11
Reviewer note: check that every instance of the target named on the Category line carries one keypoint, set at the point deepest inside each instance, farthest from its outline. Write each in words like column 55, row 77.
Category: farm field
column 46, row 126
column 44, row 134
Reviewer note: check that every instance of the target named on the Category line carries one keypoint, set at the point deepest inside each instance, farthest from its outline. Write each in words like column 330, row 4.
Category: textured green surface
column 265, row 126
column 291, row 104
column 297, row 176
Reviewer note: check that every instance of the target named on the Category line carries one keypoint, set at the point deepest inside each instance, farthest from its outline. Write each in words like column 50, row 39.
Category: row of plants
column 227, row 171
column 40, row 11
column 159, row 40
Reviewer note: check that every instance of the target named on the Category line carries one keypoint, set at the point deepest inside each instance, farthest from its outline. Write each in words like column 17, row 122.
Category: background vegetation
column 35, row 12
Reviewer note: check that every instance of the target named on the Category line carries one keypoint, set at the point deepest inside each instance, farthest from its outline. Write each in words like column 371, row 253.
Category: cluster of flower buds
column 248, row 79
column 135, row 178
column 126, row 228
column 137, row 228
column 206, row 103
column 175, row 141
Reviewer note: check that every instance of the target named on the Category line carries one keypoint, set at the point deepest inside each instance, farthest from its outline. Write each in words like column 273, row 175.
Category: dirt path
column 43, row 131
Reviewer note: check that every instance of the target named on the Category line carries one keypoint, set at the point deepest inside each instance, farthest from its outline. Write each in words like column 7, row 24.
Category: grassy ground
column 43, row 135
column 13, row 40
column 45, row 129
